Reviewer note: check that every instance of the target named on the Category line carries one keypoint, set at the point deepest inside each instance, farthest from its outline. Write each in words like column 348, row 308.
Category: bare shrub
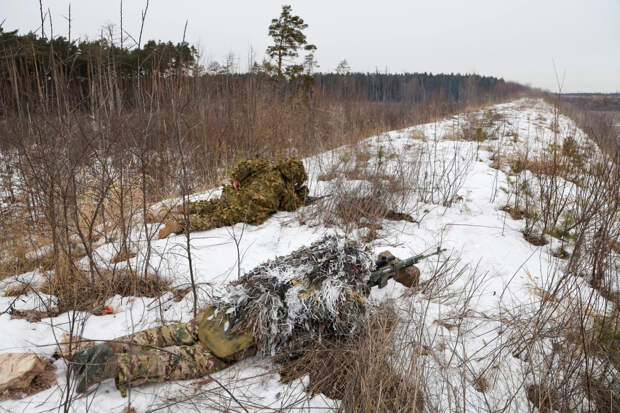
column 365, row 189
column 567, row 342
column 572, row 333
column 480, row 126
column 443, row 172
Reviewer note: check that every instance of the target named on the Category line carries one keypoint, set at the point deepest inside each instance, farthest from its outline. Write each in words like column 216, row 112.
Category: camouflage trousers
column 215, row 213
column 163, row 353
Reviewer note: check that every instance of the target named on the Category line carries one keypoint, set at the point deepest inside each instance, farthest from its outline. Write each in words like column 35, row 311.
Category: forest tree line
column 32, row 66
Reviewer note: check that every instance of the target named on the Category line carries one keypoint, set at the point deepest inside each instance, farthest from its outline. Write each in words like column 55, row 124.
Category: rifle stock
column 381, row 276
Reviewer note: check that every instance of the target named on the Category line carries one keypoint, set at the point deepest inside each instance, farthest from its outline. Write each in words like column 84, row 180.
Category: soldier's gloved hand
column 408, row 277
column 93, row 365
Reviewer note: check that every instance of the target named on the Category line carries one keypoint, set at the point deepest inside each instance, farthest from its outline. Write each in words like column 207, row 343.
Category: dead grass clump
column 18, row 263
column 32, row 316
column 473, row 133
column 543, row 165
column 515, row 213
column 124, row 255
column 544, row 398
column 547, row 166
column 491, row 117
column 481, row 384
column 566, row 161
column 480, row 127
column 535, row 239
column 15, row 290
column 517, row 165
column 359, row 371
column 561, row 253
column 329, row 175
column 358, row 211
column 495, row 162
column 367, row 191
column 78, row 290
column 606, row 339
column 362, row 156
column 161, row 214
column 606, row 395
column 372, row 176
column 399, row 216
column 598, row 383
column 417, row 134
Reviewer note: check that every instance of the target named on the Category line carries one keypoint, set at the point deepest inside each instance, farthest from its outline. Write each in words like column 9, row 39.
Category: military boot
column 171, row 227
column 93, row 365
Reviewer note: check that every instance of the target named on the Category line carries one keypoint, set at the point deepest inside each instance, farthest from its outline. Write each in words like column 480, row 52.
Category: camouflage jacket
column 259, row 188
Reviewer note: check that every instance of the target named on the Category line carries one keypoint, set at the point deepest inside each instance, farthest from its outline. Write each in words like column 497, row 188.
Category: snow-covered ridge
column 456, row 202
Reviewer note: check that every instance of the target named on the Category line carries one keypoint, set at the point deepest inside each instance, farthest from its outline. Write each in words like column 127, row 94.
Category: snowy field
column 457, row 208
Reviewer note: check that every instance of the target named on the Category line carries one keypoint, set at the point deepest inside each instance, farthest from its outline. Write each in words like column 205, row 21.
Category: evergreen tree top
column 288, row 37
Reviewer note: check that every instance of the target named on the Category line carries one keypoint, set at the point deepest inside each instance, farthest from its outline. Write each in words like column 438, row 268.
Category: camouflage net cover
column 316, row 291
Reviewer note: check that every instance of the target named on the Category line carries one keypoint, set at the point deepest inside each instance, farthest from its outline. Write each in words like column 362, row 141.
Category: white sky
column 516, row 39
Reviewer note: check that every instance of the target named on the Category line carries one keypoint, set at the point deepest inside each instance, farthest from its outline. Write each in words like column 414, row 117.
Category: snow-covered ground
column 458, row 209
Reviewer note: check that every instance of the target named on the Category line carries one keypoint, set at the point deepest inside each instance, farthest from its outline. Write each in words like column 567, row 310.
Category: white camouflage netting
column 314, row 292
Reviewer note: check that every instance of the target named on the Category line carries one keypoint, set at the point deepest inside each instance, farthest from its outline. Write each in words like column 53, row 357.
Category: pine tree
column 343, row 68
column 310, row 64
column 288, row 37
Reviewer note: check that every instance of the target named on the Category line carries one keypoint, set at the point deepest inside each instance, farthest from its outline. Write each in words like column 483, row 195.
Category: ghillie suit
column 259, row 188
column 317, row 291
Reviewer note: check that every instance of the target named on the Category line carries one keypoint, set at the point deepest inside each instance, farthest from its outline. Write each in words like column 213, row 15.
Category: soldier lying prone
column 208, row 343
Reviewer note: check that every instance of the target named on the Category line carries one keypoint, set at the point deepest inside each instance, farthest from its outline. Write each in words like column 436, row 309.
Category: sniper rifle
column 386, row 270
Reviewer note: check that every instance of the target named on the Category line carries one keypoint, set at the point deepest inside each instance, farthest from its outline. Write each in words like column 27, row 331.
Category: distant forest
column 598, row 102
column 30, row 66
column 411, row 87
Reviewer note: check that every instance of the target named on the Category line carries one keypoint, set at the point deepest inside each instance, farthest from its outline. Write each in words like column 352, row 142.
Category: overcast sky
column 515, row 39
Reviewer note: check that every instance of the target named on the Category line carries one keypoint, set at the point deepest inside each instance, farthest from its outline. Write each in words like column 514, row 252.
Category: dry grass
column 358, row 372
column 535, row 239
column 123, row 256
column 69, row 284
column 21, row 243
column 417, row 134
column 570, row 193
